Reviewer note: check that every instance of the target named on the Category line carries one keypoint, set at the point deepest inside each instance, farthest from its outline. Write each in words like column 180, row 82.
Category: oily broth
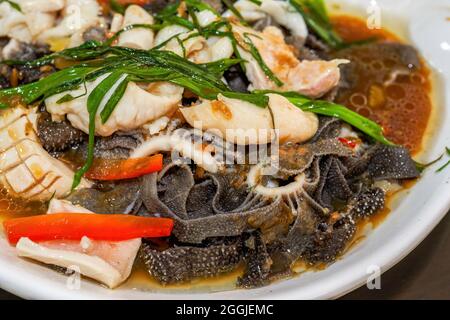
column 399, row 101
column 403, row 110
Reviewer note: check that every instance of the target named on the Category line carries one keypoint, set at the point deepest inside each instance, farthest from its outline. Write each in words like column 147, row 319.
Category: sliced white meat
column 137, row 107
column 140, row 38
column 206, row 17
column 36, row 17
column 195, row 48
column 311, row 78
column 26, row 169
column 179, row 40
column 238, row 121
column 250, row 11
column 216, row 48
column 281, row 11
column 105, row 261
column 77, row 16
column 294, row 125
column 241, row 122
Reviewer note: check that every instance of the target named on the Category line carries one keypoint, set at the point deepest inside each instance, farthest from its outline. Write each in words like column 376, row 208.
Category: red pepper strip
column 104, row 169
column 74, row 226
column 349, row 143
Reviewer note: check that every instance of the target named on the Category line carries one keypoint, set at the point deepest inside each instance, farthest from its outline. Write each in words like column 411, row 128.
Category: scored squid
column 26, row 169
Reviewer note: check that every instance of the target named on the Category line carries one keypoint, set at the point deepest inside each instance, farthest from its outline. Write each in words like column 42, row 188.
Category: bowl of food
column 218, row 149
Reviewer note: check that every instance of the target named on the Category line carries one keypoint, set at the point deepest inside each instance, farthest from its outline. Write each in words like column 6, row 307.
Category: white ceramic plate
column 425, row 24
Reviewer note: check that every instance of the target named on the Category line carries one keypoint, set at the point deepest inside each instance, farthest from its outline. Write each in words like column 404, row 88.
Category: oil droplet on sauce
column 382, row 86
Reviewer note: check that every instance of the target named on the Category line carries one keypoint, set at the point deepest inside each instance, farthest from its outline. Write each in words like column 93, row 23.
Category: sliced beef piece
column 392, row 162
column 57, row 136
column 329, row 128
column 333, row 185
column 117, row 146
column 229, row 212
column 258, row 264
column 199, row 201
column 329, row 241
column 295, row 159
column 122, row 197
column 184, row 263
column 368, row 203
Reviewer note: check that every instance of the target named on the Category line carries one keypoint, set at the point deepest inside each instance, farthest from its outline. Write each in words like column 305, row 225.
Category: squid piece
column 238, row 121
column 294, row 125
column 26, row 169
column 311, row 78
column 139, row 38
column 77, row 17
column 180, row 141
column 195, row 48
column 105, row 261
column 243, row 123
column 281, row 11
column 36, row 17
column 179, row 40
column 137, row 107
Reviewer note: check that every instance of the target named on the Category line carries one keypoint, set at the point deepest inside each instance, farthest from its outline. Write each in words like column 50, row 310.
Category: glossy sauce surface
column 384, row 87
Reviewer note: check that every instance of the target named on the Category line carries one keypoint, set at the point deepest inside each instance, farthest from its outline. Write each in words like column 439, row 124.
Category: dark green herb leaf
column 220, row 66
column 200, row 6
column 257, row 2
column 447, row 150
column 422, row 166
column 259, row 100
column 369, row 127
column 93, row 103
column 68, row 97
column 235, row 11
column 315, row 15
column 114, row 100
column 131, row 27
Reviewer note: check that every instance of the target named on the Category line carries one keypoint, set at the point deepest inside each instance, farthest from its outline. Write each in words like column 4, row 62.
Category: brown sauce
column 384, row 89
column 403, row 108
